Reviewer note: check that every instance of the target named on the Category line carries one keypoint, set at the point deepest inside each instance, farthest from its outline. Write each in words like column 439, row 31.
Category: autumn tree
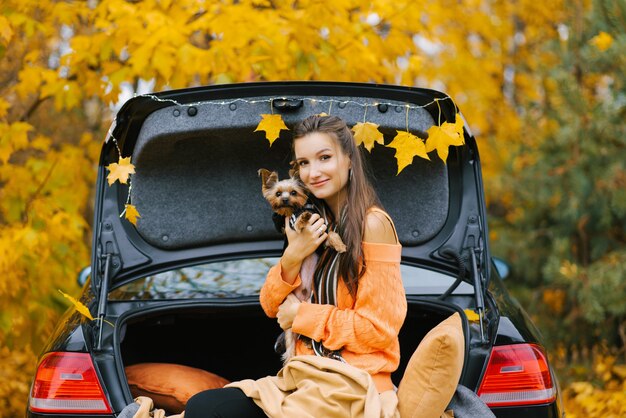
column 565, row 196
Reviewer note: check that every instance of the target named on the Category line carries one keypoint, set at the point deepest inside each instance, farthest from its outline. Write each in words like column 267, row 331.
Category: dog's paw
column 302, row 221
column 334, row 241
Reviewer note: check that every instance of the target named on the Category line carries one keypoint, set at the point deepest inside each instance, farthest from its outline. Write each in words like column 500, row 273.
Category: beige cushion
column 433, row 372
column 170, row 385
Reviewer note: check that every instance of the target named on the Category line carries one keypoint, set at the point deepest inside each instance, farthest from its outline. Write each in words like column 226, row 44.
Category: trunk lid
column 196, row 155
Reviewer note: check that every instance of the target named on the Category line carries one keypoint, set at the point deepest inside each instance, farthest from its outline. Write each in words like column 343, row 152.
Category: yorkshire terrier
column 289, row 198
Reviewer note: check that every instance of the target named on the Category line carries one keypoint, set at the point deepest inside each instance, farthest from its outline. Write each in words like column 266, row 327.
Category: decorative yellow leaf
column 120, row 171
column 367, row 133
column 441, row 137
column 471, row 315
column 272, row 125
column 132, row 214
column 407, row 147
column 602, row 41
column 78, row 305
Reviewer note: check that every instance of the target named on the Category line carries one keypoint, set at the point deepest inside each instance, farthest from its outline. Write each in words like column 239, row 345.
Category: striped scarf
column 325, row 281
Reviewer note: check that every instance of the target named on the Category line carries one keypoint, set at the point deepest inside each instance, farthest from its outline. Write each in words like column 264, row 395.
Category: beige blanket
column 310, row 386
column 146, row 409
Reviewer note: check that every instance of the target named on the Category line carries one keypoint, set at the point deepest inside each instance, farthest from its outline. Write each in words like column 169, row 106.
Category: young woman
column 358, row 303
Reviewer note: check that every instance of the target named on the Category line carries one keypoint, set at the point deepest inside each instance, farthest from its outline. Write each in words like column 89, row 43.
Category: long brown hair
column 360, row 197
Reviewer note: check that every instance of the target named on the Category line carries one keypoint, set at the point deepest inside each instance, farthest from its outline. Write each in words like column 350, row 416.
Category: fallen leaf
column 272, row 125
column 367, row 133
column 407, row 147
column 442, row 137
column 120, row 171
column 132, row 214
column 82, row 309
column 471, row 315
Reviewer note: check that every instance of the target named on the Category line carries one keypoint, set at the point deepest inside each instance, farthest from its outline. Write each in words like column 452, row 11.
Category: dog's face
column 285, row 196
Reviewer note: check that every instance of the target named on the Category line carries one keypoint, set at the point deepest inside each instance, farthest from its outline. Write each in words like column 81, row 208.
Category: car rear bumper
column 30, row 414
column 540, row 411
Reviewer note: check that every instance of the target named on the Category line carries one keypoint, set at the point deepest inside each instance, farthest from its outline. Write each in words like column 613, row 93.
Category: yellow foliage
column 47, row 170
column 63, row 66
column 4, row 107
column 17, row 367
column 13, row 137
column 602, row 41
column 607, row 398
column 6, row 33
column 554, row 299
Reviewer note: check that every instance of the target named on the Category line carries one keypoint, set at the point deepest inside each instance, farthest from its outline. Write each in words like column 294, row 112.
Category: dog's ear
column 293, row 171
column 264, row 174
column 268, row 178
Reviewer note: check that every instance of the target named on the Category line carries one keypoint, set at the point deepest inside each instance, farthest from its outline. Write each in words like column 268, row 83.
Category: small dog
column 289, row 198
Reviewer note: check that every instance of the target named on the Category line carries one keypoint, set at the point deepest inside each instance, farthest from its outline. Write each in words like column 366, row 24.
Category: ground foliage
column 594, row 382
column 548, row 112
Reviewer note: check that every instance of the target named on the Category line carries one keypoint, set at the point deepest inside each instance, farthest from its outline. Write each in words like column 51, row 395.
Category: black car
column 182, row 285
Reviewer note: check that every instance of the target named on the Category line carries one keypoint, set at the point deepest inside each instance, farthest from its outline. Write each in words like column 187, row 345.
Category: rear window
column 241, row 278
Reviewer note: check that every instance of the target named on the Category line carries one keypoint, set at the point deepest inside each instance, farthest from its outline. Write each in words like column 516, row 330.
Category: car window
column 421, row 281
column 226, row 279
column 240, row 278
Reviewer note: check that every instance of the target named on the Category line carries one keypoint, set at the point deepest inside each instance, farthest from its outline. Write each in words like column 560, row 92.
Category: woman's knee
column 222, row 403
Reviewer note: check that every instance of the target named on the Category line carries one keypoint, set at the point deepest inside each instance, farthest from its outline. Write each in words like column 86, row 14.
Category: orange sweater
column 366, row 329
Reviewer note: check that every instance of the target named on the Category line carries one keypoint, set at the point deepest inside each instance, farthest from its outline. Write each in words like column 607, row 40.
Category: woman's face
column 323, row 167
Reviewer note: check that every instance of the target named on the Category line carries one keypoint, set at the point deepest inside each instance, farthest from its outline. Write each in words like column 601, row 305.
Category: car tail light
column 517, row 375
column 67, row 382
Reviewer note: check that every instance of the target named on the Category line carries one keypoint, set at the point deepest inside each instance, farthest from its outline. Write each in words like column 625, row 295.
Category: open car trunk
column 197, row 154
column 237, row 342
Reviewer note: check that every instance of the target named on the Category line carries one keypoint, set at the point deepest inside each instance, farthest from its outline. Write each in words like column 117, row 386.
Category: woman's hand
column 301, row 244
column 287, row 311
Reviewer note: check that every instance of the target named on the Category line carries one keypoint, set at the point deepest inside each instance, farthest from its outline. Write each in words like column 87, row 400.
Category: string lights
column 311, row 100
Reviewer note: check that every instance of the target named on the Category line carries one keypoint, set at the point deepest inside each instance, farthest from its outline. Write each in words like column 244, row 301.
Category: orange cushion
column 433, row 372
column 170, row 385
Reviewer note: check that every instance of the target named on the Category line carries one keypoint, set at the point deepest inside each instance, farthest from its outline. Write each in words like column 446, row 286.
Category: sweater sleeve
column 275, row 290
column 378, row 313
